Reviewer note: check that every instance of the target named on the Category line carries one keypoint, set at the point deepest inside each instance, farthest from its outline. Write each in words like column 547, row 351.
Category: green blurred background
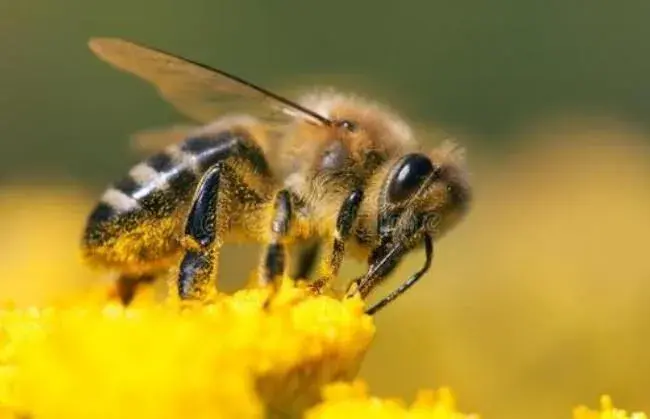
column 536, row 304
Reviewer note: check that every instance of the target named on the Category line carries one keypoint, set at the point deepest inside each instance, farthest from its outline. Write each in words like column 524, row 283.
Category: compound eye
column 407, row 178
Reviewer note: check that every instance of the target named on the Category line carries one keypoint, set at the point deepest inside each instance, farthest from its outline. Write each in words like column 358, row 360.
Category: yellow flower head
column 607, row 411
column 229, row 358
column 352, row 400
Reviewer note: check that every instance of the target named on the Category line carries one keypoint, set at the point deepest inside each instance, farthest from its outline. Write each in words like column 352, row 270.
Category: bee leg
column 274, row 257
column 346, row 217
column 428, row 248
column 213, row 207
column 127, row 285
column 200, row 262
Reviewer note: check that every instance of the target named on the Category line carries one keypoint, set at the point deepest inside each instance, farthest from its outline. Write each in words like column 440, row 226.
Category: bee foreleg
column 274, row 258
column 344, row 222
column 200, row 262
column 428, row 248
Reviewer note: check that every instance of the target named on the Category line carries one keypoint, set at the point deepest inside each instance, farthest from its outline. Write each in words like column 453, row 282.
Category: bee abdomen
column 160, row 175
column 139, row 217
column 163, row 179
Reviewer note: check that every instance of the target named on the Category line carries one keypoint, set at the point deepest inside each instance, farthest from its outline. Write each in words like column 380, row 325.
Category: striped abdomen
column 136, row 226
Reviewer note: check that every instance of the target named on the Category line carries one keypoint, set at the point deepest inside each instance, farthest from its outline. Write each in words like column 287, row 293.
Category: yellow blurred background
column 535, row 304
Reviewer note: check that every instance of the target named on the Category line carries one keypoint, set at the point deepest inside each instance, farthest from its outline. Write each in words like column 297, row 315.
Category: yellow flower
column 229, row 358
column 343, row 400
column 607, row 411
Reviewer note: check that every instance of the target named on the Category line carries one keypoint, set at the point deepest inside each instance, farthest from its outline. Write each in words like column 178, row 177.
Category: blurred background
column 538, row 302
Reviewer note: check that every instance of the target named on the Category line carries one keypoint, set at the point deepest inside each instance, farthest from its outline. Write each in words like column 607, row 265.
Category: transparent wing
column 198, row 91
column 155, row 139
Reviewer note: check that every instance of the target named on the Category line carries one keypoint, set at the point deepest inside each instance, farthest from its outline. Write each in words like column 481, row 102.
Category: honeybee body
column 329, row 172
column 137, row 226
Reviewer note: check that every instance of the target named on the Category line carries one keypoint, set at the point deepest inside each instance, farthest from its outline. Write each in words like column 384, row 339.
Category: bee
column 329, row 173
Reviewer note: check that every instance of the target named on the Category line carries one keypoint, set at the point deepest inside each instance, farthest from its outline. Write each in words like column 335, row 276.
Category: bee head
column 423, row 194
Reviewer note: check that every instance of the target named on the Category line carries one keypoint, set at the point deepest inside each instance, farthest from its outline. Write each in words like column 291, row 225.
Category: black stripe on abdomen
column 166, row 180
column 127, row 185
column 161, row 162
column 210, row 150
column 102, row 213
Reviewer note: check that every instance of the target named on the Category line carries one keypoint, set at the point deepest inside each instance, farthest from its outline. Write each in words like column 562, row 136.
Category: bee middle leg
column 275, row 255
column 346, row 217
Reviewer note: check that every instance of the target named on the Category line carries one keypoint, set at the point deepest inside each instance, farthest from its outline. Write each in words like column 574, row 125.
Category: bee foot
column 319, row 286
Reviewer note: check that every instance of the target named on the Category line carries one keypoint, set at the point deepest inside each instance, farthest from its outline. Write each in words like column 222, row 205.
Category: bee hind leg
column 218, row 201
column 200, row 262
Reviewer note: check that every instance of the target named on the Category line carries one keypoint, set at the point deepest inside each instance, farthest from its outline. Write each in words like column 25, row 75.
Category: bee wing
column 155, row 139
column 197, row 90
